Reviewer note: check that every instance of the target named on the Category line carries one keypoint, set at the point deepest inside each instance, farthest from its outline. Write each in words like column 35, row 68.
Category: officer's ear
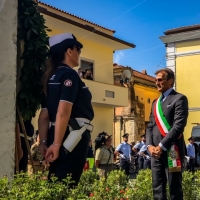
column 68, row 52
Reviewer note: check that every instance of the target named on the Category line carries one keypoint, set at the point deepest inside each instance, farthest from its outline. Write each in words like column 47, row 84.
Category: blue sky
column 137, row 21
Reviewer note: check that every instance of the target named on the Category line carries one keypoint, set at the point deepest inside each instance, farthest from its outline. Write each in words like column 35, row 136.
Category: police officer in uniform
column 67, row 108
column 146, row 156
column 137, row 148
column 191, row 154
column 124, row 151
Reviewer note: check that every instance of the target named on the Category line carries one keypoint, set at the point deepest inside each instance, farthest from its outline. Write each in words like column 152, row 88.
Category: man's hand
column 152, row 150
column 155, row 151
column 158, row 151
column 147, row 157
column 122, row 156
column 52, row 153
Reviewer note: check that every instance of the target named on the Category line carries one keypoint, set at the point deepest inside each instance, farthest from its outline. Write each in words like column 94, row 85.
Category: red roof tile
column 182, row 29
column 136, row 73
column 143, row 76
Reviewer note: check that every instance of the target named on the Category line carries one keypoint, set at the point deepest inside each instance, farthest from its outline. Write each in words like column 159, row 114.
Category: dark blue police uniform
column 125, row 148
column 147, row 158
column 138, row 146
column 65, row 85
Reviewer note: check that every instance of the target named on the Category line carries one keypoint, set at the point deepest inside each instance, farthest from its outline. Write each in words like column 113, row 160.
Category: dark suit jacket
column 175, row 109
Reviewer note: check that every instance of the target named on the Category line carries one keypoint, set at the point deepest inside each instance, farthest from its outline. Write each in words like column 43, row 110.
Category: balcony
column 107, row 94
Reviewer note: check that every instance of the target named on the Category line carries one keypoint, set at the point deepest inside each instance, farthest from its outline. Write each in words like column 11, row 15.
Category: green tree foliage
column 32, row 33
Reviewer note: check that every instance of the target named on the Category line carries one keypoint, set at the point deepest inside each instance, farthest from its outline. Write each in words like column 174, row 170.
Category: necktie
column 162, row 98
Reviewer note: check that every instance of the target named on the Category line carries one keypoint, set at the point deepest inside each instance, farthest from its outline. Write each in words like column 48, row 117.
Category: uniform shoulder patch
column 68, row 83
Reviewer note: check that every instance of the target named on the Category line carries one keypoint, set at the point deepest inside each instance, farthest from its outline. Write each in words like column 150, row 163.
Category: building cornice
column 187, row 53
column 178, row 37
column 194, row 109
column 182, row 29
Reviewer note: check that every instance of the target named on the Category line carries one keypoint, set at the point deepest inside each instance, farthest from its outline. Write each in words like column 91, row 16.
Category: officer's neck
column 69, row 63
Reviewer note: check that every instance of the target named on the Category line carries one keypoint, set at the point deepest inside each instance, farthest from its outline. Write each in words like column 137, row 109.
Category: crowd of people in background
column 85, row 73
column 103, row 156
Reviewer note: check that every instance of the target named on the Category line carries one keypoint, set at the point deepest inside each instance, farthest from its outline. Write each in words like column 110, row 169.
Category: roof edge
column 182, row 29
column 86, row 27
column 120, row 67
column 76, row 16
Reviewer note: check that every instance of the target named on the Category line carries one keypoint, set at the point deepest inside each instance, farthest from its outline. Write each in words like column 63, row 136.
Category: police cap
column 62, row 41
column 191, row 138
column 143, row 136
column 125, row 135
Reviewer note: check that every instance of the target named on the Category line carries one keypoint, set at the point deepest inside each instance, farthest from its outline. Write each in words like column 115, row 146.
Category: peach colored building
column 134, row 118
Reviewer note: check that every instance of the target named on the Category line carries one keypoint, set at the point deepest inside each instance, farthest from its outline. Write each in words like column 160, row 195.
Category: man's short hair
column 169, row 73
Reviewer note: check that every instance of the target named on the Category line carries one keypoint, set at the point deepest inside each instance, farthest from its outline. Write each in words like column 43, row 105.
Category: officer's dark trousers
column 141, row 162
column 191, row 165
column 70, row 163
column 125, row 165
column 147, row 164
column 160, row 175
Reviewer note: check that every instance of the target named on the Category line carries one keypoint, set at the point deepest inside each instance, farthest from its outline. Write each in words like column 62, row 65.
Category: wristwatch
column 43, row 141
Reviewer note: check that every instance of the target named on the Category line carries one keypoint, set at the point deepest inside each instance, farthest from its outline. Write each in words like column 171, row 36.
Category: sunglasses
column 78, row 49
column 159, row 79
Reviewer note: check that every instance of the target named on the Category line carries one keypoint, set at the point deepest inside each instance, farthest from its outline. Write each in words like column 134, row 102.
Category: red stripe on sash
column 178, row 161
column 157, row 121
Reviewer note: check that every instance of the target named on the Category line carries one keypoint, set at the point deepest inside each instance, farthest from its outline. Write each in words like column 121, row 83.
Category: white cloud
column 118, row 56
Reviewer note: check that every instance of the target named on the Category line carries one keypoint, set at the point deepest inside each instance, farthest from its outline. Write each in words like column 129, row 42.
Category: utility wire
column 147, row 50
column 160, row 61
column 96, row 29
column 132, row 54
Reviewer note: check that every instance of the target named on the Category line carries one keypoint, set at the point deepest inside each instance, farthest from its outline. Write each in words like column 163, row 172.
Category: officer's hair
column 52, row 63
column 169, row 74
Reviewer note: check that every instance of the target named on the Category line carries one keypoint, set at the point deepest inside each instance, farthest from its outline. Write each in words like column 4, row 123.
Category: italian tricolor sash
column 174, row 162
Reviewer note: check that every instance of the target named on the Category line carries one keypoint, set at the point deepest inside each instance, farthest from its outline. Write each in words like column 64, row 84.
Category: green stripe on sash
column 162, row 116
column 170, row 163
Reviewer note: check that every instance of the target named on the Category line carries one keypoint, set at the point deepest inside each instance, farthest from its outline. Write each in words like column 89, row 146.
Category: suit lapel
column 168, row 100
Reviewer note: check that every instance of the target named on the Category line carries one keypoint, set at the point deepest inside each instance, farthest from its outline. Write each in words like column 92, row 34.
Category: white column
column 8, row 53
column 171, row 58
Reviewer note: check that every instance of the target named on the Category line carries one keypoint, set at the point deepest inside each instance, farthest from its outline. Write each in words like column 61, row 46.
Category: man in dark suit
column 164, row 134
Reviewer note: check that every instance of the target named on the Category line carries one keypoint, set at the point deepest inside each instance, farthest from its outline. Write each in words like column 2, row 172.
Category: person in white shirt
column 191, row 154
column 124, row 150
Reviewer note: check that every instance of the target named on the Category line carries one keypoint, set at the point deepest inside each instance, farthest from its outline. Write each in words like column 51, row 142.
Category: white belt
column 29, row 138
column 81, row 122
column 87, row 126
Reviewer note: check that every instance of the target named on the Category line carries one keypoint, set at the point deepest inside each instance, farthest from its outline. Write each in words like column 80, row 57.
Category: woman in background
column 104, row 156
